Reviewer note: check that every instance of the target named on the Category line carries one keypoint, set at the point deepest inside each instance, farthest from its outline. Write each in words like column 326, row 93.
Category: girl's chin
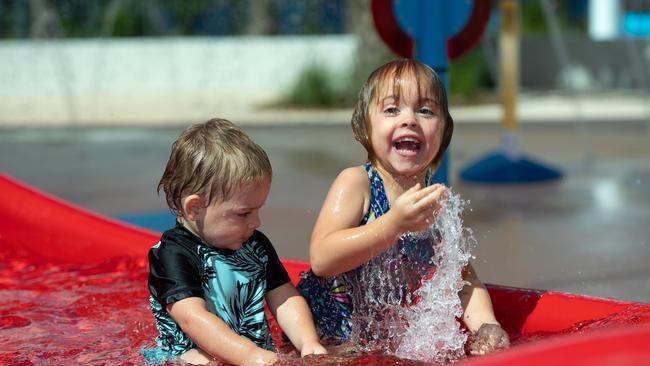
column 402, row 167
column 408, row 168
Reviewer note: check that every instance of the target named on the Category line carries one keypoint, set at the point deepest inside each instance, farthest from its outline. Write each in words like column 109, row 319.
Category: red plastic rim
column 401, row 43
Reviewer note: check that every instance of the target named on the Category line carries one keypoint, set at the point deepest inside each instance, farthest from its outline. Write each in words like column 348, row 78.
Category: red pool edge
column 42, row 227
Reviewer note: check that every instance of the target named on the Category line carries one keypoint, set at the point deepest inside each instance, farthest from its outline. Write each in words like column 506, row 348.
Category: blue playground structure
column 434, row 31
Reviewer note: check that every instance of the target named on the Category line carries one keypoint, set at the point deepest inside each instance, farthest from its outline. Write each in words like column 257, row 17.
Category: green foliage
column 469, row 78
column 314, row 89
column 532, row 18
column 131, row 21
column 469, row 75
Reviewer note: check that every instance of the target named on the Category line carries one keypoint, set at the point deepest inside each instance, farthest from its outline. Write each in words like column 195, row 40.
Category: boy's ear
column 192, row 206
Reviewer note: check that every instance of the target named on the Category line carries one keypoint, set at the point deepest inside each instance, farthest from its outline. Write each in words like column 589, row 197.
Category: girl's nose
column 409, row 119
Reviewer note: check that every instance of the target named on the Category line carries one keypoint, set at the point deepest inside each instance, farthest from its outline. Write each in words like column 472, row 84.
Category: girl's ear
column 192, row 206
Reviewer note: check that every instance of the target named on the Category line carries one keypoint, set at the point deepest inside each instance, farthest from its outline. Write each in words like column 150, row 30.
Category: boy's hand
column 487, row 339
column 261, row 357
column 417, row 207
column 312, row 348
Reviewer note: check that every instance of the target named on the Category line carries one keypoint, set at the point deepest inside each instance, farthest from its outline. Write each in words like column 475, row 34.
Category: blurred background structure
column 123, row 61
column 94, row 92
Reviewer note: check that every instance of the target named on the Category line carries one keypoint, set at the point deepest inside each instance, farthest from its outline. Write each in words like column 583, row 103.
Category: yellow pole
column 509, row 61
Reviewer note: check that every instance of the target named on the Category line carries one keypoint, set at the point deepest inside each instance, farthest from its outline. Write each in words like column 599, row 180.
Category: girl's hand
column 416, row 208
column 487, row 339
column 312, row 348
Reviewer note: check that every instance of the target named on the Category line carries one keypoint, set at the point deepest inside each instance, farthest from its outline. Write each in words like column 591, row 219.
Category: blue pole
column 427, row 21
column 431, row 49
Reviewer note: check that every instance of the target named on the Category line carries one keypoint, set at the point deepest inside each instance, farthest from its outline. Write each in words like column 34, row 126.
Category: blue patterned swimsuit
column 332, row 299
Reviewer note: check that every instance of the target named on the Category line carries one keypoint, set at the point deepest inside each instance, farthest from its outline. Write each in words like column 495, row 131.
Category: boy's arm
column 478, row 316
column 294, row 318
column 213, row 336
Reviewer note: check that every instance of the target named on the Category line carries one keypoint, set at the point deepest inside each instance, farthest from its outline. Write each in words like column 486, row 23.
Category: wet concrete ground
column 587, row 233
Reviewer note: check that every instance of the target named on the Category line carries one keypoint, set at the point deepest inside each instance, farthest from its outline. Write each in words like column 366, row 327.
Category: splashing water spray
column 434, row 333
column 408, row 296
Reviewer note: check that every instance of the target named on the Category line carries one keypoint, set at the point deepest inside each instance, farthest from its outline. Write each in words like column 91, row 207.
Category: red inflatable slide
column 48, row 246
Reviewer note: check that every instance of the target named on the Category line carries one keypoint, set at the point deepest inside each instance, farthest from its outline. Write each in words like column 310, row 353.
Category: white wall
column 155, row 80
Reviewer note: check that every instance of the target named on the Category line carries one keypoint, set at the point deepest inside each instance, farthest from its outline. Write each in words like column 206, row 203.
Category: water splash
column 408, row 295
column 383, row 288
column 434, row 334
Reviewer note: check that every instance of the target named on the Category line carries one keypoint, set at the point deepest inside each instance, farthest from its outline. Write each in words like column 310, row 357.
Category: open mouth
column 407, row 145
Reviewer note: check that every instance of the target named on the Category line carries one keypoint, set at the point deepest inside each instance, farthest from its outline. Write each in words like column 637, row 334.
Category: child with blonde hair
column 402, row 120
column 211, row 274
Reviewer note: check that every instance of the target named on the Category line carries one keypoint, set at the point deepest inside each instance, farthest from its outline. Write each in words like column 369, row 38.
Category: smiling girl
column 362, row 258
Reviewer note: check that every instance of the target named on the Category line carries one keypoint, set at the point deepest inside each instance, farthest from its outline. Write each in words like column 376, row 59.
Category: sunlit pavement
column 587, row 233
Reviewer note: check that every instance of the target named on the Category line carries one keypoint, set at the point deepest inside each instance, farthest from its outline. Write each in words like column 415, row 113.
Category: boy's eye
column 243, row 214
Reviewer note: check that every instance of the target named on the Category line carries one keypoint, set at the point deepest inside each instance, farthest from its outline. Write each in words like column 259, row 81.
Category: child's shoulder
column 350, row 186
column 355, row 175
column 174, row 242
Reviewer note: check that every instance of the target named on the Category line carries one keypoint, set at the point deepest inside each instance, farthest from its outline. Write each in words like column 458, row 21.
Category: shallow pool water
column 89, row 314
column 98, row 314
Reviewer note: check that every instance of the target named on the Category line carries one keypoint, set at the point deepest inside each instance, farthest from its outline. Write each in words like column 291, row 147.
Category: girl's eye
column 427, row 111
column 391, row 110
column 243, row 214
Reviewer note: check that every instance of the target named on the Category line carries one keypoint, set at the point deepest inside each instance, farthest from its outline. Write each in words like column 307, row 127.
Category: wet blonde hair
column 212, row 159
column 393, row 74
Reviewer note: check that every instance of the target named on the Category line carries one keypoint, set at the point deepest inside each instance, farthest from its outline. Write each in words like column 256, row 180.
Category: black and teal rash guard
column 232, row 283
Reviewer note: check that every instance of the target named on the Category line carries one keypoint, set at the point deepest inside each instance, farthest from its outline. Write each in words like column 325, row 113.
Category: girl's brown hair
column 393, row 74
column 212, row 159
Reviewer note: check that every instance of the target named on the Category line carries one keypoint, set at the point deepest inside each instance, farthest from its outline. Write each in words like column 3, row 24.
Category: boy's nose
column 255, row 221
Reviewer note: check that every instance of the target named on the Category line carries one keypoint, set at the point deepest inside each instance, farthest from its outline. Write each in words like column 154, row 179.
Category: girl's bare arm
column 476, row 301
column 478, row 315
column 339, row 244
